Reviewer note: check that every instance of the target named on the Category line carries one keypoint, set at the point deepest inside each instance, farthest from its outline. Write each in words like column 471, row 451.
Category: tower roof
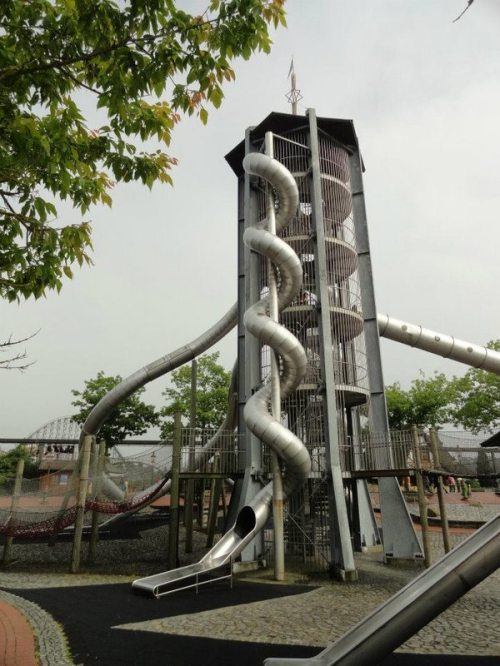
column 340, row 129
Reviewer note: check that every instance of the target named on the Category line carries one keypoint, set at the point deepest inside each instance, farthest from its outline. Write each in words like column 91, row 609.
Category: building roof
column 341, row 130
column 494, row 440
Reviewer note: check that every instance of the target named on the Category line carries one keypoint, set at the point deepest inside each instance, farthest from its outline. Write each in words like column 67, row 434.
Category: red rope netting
column 14, row 527
column 135, row 502
column 20, row 530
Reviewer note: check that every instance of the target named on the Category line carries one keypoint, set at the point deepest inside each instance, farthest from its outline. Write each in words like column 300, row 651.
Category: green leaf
column 49, row 147
column 203, row 115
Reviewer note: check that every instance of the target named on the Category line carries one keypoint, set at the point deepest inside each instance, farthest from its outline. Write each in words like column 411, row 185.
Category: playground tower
column 334, row 317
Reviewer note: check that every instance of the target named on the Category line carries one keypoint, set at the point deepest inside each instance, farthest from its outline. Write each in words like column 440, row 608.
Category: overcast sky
column 424, row 96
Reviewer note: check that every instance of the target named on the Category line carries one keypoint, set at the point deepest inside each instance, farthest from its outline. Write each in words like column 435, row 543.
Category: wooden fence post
column 81, row 500
column 422, row 502
column 215, row 493
column 189, row 484
column 173, row 532
column 13, row 506
column 440, row 489
column 97, row 483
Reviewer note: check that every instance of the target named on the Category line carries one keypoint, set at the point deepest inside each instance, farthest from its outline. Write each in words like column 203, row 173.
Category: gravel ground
column 130, row 557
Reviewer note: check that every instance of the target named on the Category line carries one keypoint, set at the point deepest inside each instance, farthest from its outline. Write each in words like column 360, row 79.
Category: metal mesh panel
column 307, row 529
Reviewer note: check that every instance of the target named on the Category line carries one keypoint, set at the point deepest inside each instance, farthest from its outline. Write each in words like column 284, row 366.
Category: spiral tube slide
column 441, row 344
column 253, row 517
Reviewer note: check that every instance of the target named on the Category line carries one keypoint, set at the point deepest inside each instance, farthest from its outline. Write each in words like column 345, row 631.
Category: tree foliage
column 9, row 460
column 471, row 401
column 427, row 402
column 211, row 397
column 131, row 417
column 477, row 399
column 140, row 64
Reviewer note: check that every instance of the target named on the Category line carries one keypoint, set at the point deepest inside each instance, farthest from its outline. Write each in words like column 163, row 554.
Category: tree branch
column 59, row 64
column 80, row 83
column 9, row 363
column 469, row 3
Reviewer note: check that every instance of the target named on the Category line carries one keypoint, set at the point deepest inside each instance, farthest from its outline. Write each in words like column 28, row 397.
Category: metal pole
column 422, row 503
column 15, row 501
column 440, row 489
column 278, row 495
column 173, row 534
column 82, row 497
column 294, row 99
column 98, row 472
column 189, row 498
column 341, row 551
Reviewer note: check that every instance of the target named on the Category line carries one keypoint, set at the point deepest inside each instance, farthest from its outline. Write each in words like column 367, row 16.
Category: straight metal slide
column 390, row 625
column 249, row 521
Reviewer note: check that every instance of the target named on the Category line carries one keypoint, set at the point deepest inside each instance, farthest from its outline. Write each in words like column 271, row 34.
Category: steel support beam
column 341, row 552
column 399, row 537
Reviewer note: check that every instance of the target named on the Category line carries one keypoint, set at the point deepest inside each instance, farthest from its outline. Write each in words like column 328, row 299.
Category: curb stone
column 51, row 644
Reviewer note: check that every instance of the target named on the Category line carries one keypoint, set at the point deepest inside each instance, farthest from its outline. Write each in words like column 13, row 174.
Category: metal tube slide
column 254, row 515
column 153, row 370
column 158, row 368
column 441, row 344
column 415, row 605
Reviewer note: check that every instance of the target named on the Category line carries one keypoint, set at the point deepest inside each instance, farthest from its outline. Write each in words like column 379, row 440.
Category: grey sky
column 424, row 95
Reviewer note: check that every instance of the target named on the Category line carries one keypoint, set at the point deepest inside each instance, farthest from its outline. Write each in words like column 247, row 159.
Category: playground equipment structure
column 304, row 254
column 335, row 320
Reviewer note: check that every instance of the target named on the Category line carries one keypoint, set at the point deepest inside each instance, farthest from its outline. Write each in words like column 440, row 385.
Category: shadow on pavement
column 88, row 614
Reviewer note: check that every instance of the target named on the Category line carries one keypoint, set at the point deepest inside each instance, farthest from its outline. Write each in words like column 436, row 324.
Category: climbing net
column 116, row 485
column 46, row 505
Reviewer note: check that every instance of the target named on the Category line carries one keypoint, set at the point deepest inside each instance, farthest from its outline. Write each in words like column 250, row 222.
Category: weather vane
column 294, row 95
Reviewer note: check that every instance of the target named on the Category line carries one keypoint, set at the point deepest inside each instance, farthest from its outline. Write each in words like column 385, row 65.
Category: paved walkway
column 17, row 642
column 101, row 621
column 106, row 624
column 29, row 636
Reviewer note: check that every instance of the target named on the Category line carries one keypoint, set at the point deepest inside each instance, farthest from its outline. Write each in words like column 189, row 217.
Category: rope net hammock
column 48, row 504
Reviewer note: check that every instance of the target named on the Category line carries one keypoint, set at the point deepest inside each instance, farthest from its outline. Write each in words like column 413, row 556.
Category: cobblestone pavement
column 470, row 626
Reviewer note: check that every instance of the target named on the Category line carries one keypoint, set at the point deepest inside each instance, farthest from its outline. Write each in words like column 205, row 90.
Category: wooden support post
column 422, row 502
column 13, row 506
column 224, row 504
column 201, row 501
column 81, row 500
column 70, row 491
column 442, row 504
column 98, row 471
column 173, row 532
column 189, row 494
column 212, row 512
column 215, row 491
